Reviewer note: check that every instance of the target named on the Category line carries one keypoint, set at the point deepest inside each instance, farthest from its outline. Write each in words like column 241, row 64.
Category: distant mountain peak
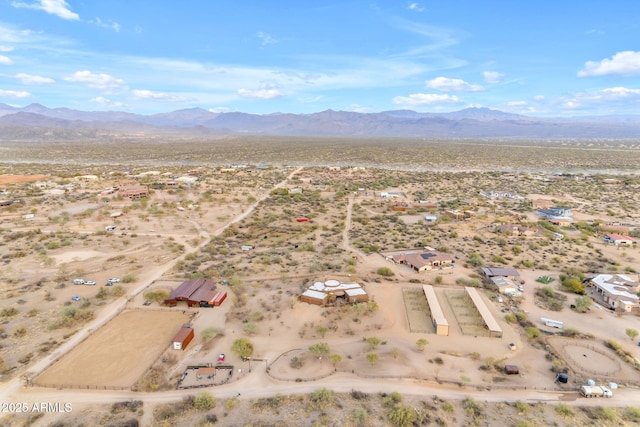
column 471, row 122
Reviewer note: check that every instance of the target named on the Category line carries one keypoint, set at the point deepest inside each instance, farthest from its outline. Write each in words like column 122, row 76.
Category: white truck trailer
column 552, row 323
column 595, row 391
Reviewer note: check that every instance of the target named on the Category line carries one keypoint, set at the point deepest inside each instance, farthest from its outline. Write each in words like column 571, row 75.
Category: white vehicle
column 552, row 323
column 114, row 280
column 78, row 281
column 110, row 227
column 595, row 391
column 90, row 283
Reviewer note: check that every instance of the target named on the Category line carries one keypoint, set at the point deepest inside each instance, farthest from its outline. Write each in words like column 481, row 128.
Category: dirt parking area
column 117, row 354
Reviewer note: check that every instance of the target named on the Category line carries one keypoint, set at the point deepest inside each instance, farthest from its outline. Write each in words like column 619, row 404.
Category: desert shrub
column 296, row 362
column 613, row 345
column 322, row 398
column 9, row 312
column 360, row 417
column 117, row 291
column 421, row 343
column 448, row 407
column 385, row 272
column 563, row 410
column 158, row 295
column 532, row 332
column 583, row 303
column 129, row 278
column 473, row 408
column 204, row 401
column 632, row 414
column 573, row 282
column 392, row 399
column 607, row 414
column 402, row 416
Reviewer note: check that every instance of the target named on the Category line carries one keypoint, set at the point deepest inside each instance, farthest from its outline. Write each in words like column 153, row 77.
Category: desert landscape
column 274, row 219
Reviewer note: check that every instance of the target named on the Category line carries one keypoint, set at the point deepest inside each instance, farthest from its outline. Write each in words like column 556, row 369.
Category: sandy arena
column 119, row 353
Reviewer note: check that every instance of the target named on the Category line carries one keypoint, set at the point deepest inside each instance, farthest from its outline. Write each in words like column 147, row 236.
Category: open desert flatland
column 234, row 222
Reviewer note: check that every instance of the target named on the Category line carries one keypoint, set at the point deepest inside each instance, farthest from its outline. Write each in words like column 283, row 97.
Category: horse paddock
column 118, row 354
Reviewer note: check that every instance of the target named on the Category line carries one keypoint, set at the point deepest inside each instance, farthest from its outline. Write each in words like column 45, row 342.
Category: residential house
column 511, row 273
column 616, row 291
column 133, row 191
column 425, row 261
column 514, row 229
column 323, row 293
column 557, row 215
column 619, row 239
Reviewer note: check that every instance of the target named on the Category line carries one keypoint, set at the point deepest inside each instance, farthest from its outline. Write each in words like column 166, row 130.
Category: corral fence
column 84, row 387
column 609, row 374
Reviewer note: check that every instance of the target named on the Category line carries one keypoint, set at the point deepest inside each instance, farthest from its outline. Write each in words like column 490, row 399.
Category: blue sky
column 539, row 58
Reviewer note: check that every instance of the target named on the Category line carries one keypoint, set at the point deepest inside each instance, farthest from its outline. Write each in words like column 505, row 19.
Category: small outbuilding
column 183, row 338
column 511, row 370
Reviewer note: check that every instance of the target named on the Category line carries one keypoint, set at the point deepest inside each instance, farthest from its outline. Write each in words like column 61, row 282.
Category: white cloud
column 620, row 92
column 260, row 93
column 143, row 94
column 614, row 99
column 98, row 81
column 492, row 76
column 105, row 102
column 5, row 60
column 415, row 7
column 445, row 84
column 622, row 63
column 14, row 94
column 517, row 103
column 219, row 110
column 266, row 38
column 29, row 79
column 110, row 24
column 5, row 48
column 417, row 99
column 59, row 8
column 360, row 108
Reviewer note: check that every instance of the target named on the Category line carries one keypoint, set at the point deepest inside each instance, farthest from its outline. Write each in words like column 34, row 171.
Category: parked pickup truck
column 595, row 391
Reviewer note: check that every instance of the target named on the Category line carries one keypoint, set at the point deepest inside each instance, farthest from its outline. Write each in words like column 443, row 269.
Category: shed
column 183, row 338
column 511, row 370
column 208, row 372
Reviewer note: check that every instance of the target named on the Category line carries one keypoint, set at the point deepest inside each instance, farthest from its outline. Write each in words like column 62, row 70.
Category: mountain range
column 36, row 121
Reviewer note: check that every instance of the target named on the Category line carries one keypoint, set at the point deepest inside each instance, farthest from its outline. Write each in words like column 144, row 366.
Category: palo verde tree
column 242, row 348
column 319, row 349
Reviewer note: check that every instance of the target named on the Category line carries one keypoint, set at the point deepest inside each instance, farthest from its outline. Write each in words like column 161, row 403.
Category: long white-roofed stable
column 494, row 329
column 440, row 323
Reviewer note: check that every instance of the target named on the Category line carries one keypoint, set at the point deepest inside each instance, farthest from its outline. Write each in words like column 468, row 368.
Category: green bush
column 385, row 271
column 129, row 278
